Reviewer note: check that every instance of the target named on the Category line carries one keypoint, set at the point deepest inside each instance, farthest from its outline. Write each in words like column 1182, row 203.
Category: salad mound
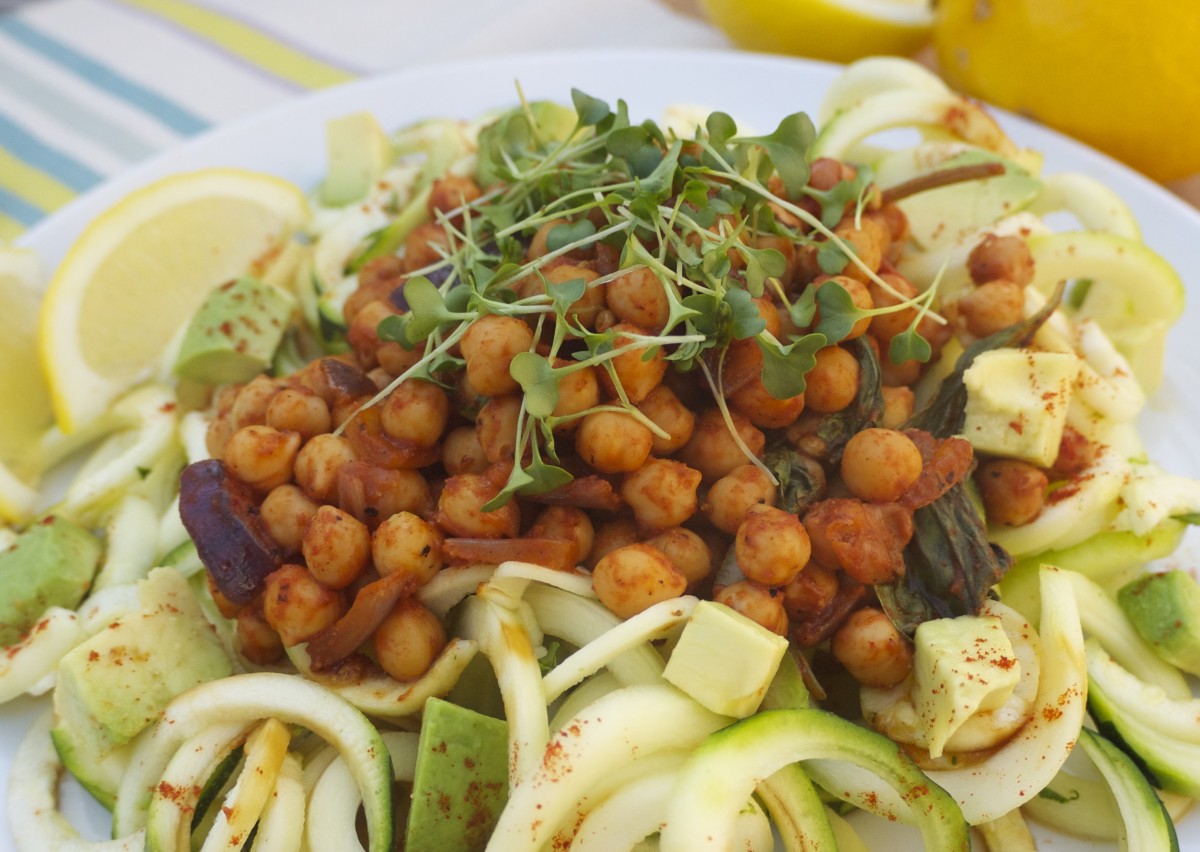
column 584, row 483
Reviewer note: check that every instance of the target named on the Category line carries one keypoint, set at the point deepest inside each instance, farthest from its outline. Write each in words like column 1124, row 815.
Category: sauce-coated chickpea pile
column 400, row 490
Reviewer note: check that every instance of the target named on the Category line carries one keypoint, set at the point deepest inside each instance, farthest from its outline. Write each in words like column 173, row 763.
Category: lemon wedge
column 835, row 30
column 142, row 268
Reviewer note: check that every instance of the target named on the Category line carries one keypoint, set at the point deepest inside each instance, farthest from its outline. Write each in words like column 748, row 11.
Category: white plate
column 757, row 90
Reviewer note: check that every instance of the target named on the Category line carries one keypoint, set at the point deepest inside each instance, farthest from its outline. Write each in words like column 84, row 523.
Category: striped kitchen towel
column 90, row 87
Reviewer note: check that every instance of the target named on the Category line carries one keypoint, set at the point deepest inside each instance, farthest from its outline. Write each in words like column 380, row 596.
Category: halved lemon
column 26, row 404
column 835, row 30
column 141, row 269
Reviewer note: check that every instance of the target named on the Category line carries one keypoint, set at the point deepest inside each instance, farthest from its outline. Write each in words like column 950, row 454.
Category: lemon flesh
column 139, row 272
column 834, row 30
column 1117, row 75
column 27, row 413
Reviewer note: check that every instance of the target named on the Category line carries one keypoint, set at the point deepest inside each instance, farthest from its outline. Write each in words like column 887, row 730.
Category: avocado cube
column 234, row 335
column 460, row 784
column 1165, row 609
column 51, row 564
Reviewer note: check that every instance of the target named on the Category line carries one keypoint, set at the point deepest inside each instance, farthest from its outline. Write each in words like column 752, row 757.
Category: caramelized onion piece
column 221, row 515
column 944, row 463
column 371, row 606
column 558, row 553
column 583, row 492
column 365, row 433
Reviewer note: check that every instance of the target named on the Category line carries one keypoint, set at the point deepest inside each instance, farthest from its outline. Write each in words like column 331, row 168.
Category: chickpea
column 286, row 512
column 408, row 640
column 250, row 405
column 336, row 547
column 859, row 294
column 754, row 402
column 772, row 546
column 872, row 649
column 638, row 297
column 612, row 535
column 878, row 465
column 451, row 192
column 262, row 457
column 662, row 493
column 223, row 604
column 992, row 306
column 869, row 242
column 833, row 383
column 496, row 427
column 460, row 509
column 735, row 494
column 462, row 452
column 613, row 441
column 1013, row 491
column 424, row 246
column 297, row 606
column 687, row 551
column 395, row 359
column 578, row 391
column 317, row 464
column 257, row 640
column 886, row 326
column 568, row 524
column 299, row 410
column 713, row 451
column 363, row 333
column 761, row 605
column 416, row 411
column 489, row 347
column 811, row 592
column 538, row 245
column 825, row 173
column 663, row 408
column 376, row 281
column 405, row 542
column 1001, row 257
column 898, row 403
column 634, row 577
column 638, row 370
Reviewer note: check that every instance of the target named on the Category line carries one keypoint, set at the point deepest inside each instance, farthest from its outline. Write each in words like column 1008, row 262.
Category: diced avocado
column 960, row 666
column 460, row 783
column 1017, row 403
column 1165, row 609
column 117, row 682
column 234, row 335
column 724, row 660
column 359, row 152
column 51, row 564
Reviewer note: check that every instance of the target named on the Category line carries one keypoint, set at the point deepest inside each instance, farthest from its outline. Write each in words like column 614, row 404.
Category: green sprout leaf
column 721, row 128
column 591, row 111
column 908, row 345
column 563, row 235
column 784, row 367
column 539, row 380
column 838, row 312
column 833, row 201
column 831, row 259
column 804, row 309
column 788, row 149
column 761, row 264
column 745, row 320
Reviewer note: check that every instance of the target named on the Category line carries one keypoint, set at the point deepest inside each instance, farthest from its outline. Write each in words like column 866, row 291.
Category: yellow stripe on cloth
column 250, row 44
column 32, row 184
column 10, row 229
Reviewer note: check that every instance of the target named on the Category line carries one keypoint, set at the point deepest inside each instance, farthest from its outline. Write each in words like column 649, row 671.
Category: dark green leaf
column 866, row 409
column 801, row 481
column 946, row 412
column 950, row 566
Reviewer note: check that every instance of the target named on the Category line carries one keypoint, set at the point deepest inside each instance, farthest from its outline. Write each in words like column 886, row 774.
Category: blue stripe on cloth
column 152, row 103
column 18, row 208
column 69, row 111
column 35, row 152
